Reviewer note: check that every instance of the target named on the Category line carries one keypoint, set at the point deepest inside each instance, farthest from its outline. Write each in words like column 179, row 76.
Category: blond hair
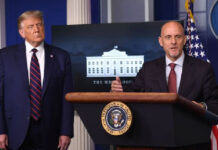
column 29, row 14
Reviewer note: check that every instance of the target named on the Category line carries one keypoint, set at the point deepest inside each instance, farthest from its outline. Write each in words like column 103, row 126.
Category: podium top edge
column 127, row 97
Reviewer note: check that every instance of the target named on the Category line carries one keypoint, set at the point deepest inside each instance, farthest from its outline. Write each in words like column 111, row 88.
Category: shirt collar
column 178, row 62
column 29, row 47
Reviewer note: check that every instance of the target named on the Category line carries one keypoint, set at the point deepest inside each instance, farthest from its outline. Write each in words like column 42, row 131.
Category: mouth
column 38, row 35
column 173, row 48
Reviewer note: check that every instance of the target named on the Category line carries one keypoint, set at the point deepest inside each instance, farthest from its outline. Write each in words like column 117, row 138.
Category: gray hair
column 29, row 14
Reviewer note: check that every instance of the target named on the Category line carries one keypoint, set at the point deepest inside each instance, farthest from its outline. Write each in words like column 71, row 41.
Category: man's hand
column 3, row 141
column 64, row 142
column 116, row 85
column 199, row 104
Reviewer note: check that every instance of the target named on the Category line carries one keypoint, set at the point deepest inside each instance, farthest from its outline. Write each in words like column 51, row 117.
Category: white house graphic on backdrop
column 113, row 63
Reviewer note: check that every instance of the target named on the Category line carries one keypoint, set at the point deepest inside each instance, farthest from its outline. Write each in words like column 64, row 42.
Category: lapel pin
column 51, row 55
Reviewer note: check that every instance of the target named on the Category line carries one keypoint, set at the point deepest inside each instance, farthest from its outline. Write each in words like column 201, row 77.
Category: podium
column 160, row 120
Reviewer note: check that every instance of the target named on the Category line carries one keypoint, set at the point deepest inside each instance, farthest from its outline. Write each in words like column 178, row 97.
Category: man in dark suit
column 193, row 79
column 34, row 78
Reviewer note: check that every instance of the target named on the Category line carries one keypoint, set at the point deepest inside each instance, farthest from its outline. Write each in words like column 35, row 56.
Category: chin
column 39, row 40
column 175, row 56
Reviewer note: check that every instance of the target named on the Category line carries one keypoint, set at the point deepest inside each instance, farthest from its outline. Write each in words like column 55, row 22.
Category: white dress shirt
column 178, row 69
column 41, row 58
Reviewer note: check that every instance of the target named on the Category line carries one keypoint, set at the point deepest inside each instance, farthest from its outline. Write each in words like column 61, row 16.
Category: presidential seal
column 213, row 21
column 116, row 118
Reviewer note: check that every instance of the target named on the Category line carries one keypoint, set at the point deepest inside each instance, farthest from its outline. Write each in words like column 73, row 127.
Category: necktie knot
column 172, row 66
column 34, row 50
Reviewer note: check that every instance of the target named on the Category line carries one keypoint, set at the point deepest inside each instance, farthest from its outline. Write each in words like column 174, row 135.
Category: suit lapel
column 20, row 58
column 162, row 75
column 186, row 76
column 49, row 59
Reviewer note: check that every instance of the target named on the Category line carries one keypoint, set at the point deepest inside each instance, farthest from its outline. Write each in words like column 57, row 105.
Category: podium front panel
column 154, row 125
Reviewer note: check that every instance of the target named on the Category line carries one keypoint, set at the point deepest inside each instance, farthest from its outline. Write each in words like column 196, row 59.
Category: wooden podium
column 160, row 120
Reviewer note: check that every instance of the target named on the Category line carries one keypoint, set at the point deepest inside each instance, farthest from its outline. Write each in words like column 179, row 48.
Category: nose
column 35, row 28
column 173, row 40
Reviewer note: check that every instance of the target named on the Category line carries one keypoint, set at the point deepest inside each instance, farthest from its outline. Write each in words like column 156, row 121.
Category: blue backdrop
column 54, row 14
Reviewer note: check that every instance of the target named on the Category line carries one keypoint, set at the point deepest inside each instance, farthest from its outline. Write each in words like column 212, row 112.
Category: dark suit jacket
column 57, row 114
column 197, row 81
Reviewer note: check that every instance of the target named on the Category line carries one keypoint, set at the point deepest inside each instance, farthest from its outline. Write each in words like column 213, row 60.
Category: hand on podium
column 202, row 104
column 116, row 85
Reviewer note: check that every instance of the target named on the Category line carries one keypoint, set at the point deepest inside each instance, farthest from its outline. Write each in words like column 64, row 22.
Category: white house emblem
column 113, row 63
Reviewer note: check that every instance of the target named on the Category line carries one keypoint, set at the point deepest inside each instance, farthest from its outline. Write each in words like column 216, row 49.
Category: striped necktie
column 35, row 87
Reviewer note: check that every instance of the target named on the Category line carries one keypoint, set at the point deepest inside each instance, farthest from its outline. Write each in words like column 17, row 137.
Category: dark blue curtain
column 95, row 11
column 165, row 9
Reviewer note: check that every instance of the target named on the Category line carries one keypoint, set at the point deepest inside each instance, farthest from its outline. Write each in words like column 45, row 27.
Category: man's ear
column 160, row 41
column 21, row 33
column 185, row 39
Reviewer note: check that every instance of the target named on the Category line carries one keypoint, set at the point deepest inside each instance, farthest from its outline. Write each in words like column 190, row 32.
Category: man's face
column 172, row 39
column 32, row 30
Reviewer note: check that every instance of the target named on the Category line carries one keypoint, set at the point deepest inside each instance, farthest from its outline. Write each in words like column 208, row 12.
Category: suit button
column 28, row 118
